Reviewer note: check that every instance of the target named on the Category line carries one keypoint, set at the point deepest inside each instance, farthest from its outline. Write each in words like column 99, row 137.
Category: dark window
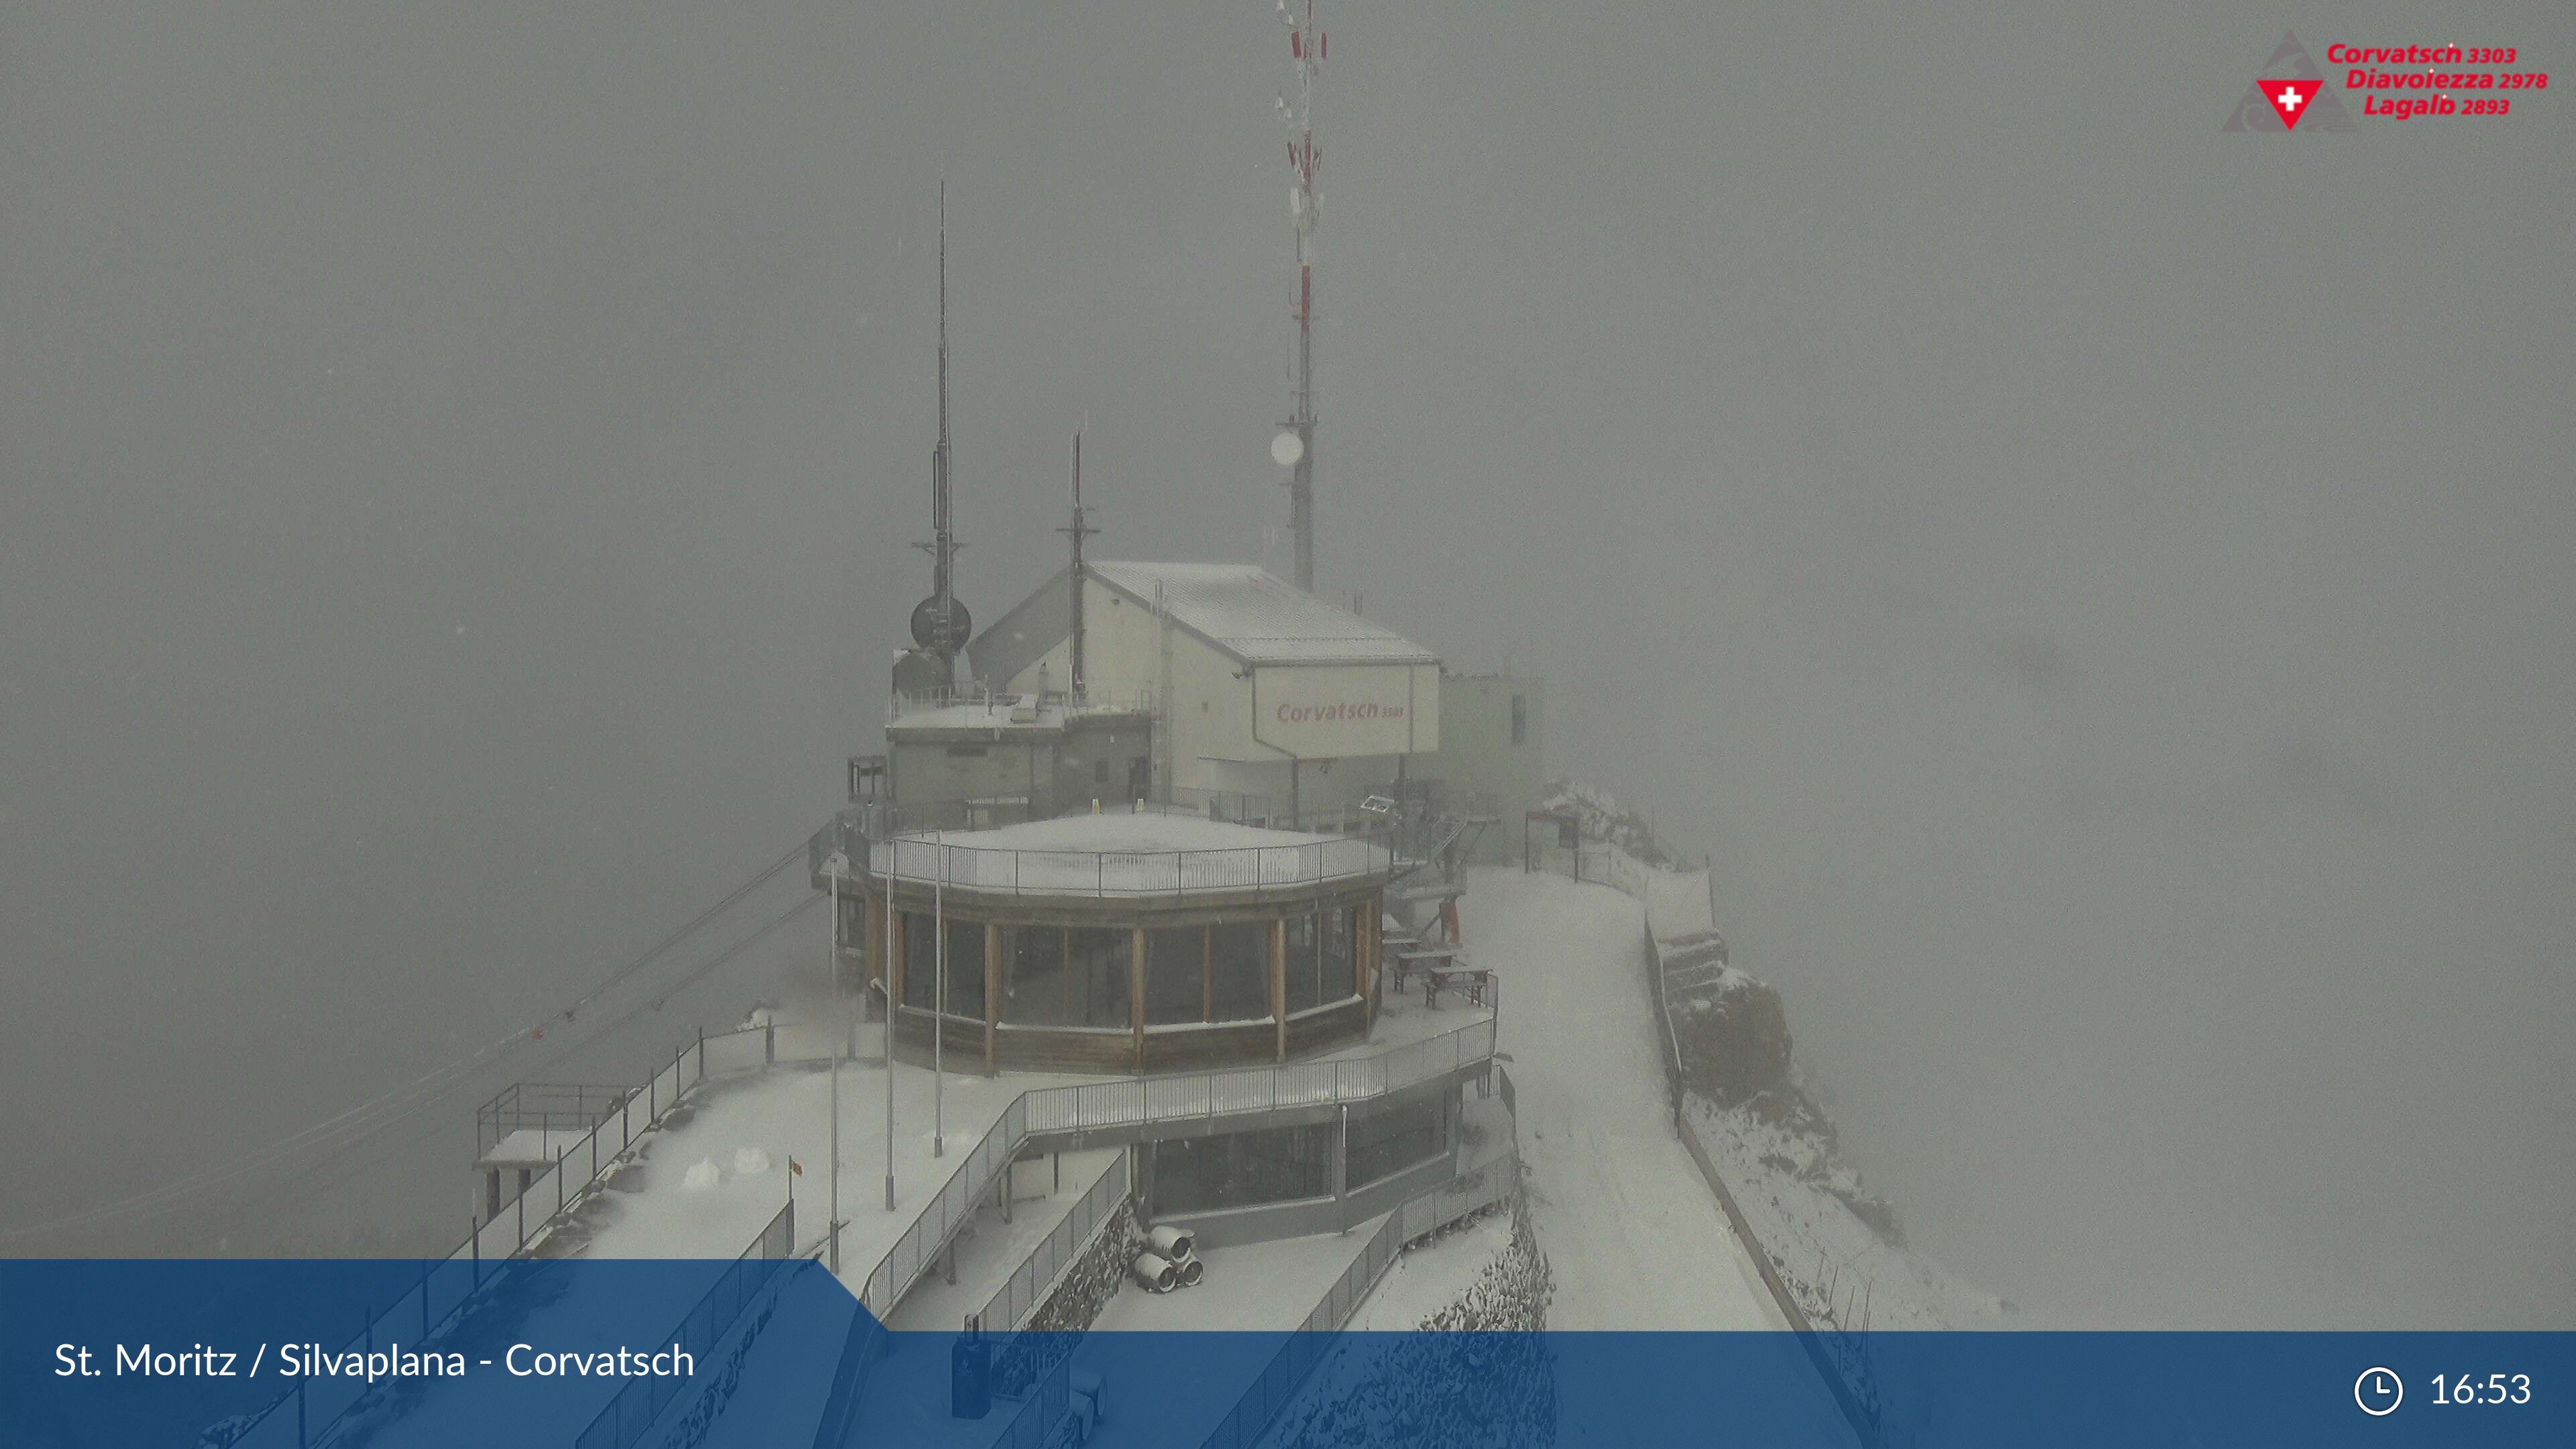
column 854, row 922
column 965, row 752
column 965, row 964
column 920, row 961
column 1520, row 718
column 1242, row 1169
column 1036, row 991
column 1305, row 963
column 1098, row 964
column 966, row 969
column 1341, row 969
column 1239, row 971
column 1387, row 1141
column 1323, row 959
column 1100, row 772
column 1176, row 976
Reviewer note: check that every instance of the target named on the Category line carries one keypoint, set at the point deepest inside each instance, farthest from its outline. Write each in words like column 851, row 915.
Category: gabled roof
column 1258, row 617
column 1240, row 610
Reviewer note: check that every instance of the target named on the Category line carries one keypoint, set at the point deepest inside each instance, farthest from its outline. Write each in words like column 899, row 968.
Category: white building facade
column 1256, row 689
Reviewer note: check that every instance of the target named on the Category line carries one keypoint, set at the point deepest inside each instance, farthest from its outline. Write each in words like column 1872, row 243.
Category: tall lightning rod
column 1294, row 448
column 1078, row 530
column 941, row 624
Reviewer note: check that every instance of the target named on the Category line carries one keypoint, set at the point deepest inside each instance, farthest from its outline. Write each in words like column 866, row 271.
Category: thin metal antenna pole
column 1078, row 529
column 1307, row 46
column 947, row 538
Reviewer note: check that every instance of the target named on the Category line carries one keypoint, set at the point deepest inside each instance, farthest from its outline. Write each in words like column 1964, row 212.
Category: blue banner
column 727, row 1355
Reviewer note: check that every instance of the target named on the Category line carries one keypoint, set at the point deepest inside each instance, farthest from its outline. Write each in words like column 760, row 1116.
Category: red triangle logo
column 2290, row 98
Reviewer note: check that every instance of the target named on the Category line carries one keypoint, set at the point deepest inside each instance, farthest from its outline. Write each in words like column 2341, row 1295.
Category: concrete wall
column 923, row 771
column 1478, row 754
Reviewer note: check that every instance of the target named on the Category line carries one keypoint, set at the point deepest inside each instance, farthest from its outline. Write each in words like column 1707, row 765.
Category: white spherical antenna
column 1286, row 449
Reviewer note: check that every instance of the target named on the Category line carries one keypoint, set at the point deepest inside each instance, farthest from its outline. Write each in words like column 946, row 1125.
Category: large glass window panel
column 1391, row 1139
column 966, row 969
column 1097, row 964
column 1304, row 963
column 920, row 960
column 1341, row 968
column 1176, row 976
column 1239, row 967
column 1037, row 990
column 1242, row 1169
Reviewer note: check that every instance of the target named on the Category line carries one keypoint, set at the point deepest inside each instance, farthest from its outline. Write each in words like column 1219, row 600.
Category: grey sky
column 2097, row 586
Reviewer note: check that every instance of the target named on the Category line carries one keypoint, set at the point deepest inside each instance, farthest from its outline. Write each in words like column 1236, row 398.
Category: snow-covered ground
column 653, row 1212
column 1429, row 1278
column 1843, row 1272
column 1636, row 1239
column 740, row 1132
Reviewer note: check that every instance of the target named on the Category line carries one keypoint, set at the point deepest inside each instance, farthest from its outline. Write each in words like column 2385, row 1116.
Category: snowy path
column 1635, row 1237
column 1632, row 1232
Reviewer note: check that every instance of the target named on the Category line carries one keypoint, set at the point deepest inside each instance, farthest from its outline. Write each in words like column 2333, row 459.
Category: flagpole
column 840, row 1049
column 939, row 1008
column 885, row 979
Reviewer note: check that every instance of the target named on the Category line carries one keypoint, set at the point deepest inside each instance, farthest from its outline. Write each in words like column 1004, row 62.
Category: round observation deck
column 1123, row 942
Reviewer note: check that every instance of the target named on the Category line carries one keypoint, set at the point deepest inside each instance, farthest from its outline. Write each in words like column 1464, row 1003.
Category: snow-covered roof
column 1258, row 617
column 1125, row 832
column 1126, row 854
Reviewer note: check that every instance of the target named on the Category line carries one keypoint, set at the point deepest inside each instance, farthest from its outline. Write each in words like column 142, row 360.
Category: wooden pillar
column 1279, row 982
column 1136, row 994
column 1372, row 920
column 992, row 995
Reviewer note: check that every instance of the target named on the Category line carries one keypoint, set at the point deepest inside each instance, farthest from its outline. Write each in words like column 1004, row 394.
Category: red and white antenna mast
column 1294, row 448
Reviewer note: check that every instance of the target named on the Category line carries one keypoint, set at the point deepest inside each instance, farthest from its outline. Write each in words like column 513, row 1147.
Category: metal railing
column 1107, row 873
column 311, row 1416
column 1027, row 1287
column 756, row 1271
column 946, row 1212
column 1135, row 1102
column 1287, row 1371
column 1003, row 702
column 1688, row 911
column 547, row 1107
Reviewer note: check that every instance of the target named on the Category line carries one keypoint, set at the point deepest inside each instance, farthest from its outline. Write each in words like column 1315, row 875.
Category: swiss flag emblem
column 2290, row 98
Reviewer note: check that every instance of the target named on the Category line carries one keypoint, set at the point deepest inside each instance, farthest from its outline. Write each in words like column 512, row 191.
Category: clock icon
column 2378, row 1391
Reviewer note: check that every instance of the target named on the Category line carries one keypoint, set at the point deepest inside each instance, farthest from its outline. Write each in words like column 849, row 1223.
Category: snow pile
column 749, row 1160
column 1600, row 817
column 702, row 1175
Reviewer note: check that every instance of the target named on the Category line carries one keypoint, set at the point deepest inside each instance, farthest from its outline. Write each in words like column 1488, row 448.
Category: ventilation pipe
column 1172, row 1243
column 1155, row 1275
column 1192, row 1271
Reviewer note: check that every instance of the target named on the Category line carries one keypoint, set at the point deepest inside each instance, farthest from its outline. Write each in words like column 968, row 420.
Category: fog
column 2097, row 587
